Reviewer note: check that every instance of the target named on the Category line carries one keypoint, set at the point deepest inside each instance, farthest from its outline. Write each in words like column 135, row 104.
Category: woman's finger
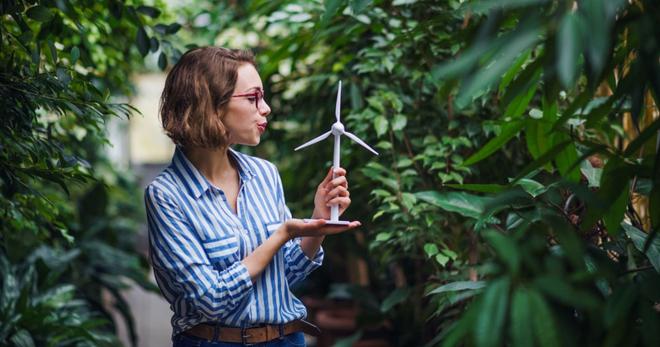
column 338, row 191
column 341, row 201
column 327, row 178
column 339, row 181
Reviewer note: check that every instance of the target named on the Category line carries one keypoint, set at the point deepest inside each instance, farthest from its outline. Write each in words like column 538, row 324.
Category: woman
column 224, row 247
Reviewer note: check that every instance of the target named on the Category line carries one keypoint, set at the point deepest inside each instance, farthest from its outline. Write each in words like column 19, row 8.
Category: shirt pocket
column 222, row 251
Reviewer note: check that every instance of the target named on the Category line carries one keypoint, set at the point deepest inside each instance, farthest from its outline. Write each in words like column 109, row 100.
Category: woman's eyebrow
column 251, row 88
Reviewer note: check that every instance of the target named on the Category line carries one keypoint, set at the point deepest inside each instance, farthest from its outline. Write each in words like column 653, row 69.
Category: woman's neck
column 213, row 163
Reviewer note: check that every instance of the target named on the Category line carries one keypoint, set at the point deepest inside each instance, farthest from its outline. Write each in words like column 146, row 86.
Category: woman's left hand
column 331, row 191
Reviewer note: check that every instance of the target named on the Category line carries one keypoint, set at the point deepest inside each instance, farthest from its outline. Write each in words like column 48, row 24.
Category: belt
column 259, row 334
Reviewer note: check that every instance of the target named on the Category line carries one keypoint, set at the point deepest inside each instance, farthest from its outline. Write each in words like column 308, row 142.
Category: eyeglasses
column 256, row 97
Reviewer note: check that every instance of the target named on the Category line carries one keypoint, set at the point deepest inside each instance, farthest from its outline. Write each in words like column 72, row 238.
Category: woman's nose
column 264, row 108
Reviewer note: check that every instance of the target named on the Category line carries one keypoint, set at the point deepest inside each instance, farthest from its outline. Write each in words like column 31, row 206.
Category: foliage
column 69, row 215
column 483, row 169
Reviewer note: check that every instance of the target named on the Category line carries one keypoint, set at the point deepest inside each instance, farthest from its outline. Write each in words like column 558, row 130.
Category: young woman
column 223, row 244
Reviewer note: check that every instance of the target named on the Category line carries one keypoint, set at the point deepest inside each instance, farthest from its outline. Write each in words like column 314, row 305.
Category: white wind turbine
column 337, row 130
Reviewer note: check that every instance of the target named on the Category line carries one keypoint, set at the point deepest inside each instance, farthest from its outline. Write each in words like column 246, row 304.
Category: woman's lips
column 262, row 127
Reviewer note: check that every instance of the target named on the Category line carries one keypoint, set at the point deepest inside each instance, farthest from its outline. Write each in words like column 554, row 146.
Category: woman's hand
column 331, row 191
column 315, row 227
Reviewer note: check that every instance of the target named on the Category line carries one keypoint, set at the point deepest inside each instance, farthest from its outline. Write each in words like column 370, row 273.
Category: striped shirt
column 197, row 243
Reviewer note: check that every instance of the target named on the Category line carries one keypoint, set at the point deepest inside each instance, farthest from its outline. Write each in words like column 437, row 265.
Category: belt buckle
column 244, row 337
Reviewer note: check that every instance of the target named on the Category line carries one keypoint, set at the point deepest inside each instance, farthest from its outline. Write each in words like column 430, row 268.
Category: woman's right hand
column 314, row 227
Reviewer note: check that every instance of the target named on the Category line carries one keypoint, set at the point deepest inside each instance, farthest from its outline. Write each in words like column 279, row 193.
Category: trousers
column 292, row 340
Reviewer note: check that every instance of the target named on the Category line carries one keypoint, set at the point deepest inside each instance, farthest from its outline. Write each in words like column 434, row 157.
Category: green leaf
column 481, row 188
column 430, row 249
column 380, row 124
column 508, row 132
column 331, row 8
column 489, row 325
column 162, row 61
column 396, row 297
column 357, row 6
column 22, row 338
column 463, row 203
column 506, row 250
column 149, row 11
column 567, row 158
column 532, row 187
column 559, row 289
column 75, row 54
column 39, row 13
column 569, row 45
column 521, row 316
column 142, row 41
column 543, row 321
column 399, row 122
column 458, row 286
column 442, row 259
column 173, row 28
column 349, row 341
column 639, row 238
column 591, row 173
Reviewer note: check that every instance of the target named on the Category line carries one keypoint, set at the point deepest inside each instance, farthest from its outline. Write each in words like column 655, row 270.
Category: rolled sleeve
column 299, row 266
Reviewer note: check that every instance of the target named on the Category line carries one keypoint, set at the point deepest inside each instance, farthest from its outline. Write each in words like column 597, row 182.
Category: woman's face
column 244, row 120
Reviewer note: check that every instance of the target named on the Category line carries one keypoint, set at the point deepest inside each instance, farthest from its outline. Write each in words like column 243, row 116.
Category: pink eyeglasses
column 257, row 96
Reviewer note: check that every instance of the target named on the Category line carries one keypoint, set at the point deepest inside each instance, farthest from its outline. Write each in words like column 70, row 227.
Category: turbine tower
column 337, row 130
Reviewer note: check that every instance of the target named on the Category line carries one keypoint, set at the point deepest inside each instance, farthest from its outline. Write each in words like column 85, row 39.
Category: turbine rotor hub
column 337, row 129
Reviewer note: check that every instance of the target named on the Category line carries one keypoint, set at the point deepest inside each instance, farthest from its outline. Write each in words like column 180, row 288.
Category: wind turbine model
column 337, row 130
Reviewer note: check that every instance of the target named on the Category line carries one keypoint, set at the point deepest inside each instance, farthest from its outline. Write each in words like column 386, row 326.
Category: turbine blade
column 315, row 140
column 360, row 142
column 338, row 106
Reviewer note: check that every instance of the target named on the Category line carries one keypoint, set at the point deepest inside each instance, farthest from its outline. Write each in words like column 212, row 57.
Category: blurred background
column 516, row 200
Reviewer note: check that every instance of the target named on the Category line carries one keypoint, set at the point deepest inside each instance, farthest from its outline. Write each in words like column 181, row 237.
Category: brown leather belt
column 251, row 335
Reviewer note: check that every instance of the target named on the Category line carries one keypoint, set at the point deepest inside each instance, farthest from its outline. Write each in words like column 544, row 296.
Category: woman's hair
column 196, row 94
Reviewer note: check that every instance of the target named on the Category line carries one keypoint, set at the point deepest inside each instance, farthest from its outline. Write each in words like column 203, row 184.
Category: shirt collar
column 193, row 180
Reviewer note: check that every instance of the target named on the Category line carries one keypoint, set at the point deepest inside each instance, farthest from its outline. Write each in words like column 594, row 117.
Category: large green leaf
column 458, row 286
column 509, row 130
column 468, row 205
column 543, row 321
column 521, row 316
column 569, row 45
column 490, row 323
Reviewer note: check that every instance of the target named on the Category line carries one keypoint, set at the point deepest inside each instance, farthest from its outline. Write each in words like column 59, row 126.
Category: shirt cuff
column 238, row 275
column 301, row 262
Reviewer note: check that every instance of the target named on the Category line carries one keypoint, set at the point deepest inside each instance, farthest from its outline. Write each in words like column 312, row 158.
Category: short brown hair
column 196, row 94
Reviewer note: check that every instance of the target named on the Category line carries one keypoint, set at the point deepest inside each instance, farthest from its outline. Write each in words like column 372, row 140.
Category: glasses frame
column 258, row 95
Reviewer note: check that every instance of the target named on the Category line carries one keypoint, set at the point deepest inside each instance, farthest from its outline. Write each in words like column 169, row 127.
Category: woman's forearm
column 257, row 261
column 310, row 245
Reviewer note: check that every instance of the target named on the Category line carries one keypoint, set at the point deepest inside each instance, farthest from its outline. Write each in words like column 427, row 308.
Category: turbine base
column 330, row 222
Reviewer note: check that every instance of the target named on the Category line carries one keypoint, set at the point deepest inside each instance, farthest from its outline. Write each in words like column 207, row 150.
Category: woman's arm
column 257, row 261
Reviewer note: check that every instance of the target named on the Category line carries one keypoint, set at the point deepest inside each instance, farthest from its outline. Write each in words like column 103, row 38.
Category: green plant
column 68, row 216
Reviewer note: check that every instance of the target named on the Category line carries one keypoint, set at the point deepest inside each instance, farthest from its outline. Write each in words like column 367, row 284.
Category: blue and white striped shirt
column 197, row 243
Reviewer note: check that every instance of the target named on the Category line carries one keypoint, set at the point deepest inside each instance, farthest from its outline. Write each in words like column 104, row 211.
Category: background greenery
column 69, row 215
column 515, row 200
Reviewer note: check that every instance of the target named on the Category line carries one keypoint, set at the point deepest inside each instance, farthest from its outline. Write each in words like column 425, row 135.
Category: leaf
column 173, row 28
column 39, row 13
column 481, row 188
column 441, row 259
column 380, row 124
column 591, row 173
column 149, row 11
column 463, row 203
column 639, row 238
column 399, row 122
column 357, row 6
column 506, row 250
column 331, row 7
column 142, row 41
column 22, row 338
column 543, row 322
column 397, row 296
column 532, row 187
column 542, row 160
column 162, row 61
column 521, row 316
column 349, row 341
column 75, row 54
column 490, row 322
column 559, row 289
column 458, row 286
column 568, row 48
column 430, row 249
column 567, row 158
column 508, row 132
